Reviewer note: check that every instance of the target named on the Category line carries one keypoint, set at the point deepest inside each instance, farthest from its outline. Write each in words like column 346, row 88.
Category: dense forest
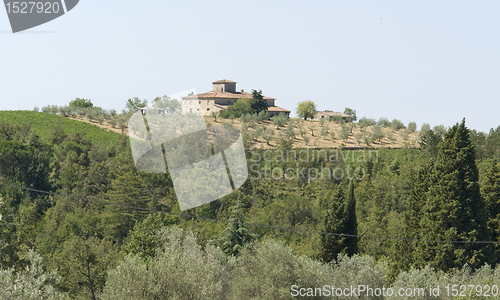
column 79, row 221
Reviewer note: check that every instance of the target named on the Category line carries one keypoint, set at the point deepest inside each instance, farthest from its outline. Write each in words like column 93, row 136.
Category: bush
column 324, row 131
column 81, row 103
column 321, row 122
column 65, row 110
column 338, row 119
column 289, row 132
column 384, row 122
column 279, row 120
column 397, row 124
column 425, row 128
column 390, row 135
column 412, row 126
column 439, row 129
column 332, row 135
column 181, row 269
column 367, row 140
column 377, row 133
column 262, row 116
column 32, row 283
column 405, row 134
column 344, row 133
column 358, row 137
column 364, row 121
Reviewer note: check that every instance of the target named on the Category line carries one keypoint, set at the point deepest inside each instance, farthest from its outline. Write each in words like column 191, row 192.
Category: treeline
column 96, row 247
column 175, row 266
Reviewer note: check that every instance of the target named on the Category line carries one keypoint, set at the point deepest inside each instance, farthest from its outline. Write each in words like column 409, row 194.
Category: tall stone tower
column 224, row 86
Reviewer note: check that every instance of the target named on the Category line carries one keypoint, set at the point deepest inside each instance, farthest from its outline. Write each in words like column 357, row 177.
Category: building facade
column 222, row 95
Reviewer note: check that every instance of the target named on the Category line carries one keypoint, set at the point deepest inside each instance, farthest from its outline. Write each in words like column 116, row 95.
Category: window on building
column 199, row 102
column 208, row 109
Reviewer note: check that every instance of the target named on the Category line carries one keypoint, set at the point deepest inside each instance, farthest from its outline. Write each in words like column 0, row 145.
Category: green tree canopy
column 453, row 209
column 241, row 107
column 170, row 105
column 81, row 103
column 351, row 112
column 340, row 218
column 306, row 109
column 257, row 102
column 236, row 235
column 134, row 103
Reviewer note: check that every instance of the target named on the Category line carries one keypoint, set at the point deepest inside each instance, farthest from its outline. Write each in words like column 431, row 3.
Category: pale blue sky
column 422, row 61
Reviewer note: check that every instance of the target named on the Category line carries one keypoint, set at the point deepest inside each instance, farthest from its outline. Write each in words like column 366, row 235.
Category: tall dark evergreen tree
column 236, row 235
column 258, row 103
column 340, row 218
column 351, row 222
column 404, row 249
column 490, row 191
column 454, row 209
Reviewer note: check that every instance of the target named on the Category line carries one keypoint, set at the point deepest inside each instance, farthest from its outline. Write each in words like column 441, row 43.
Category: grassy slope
column 43, row 124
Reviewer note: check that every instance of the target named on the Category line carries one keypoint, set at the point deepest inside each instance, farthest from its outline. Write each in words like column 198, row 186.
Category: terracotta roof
column 224, row 81
column 276, row 108
column 224, row 95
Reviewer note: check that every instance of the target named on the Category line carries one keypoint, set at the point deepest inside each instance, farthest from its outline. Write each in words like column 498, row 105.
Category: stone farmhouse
column 330, row 114
column 220, row 97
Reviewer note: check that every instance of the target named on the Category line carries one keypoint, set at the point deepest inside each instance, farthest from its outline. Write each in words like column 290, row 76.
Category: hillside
column 43, row 124
column 311, row 136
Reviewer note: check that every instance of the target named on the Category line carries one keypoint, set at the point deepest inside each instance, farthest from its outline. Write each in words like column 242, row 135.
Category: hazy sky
column 423, row 61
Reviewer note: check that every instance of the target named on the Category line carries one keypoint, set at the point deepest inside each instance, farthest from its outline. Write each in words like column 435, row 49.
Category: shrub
column 377, row 133
column 338, row 119
column 322, row 122
column 405, row 134
column 397, row 124
column 289, row 132
column 32, row 283
column 425, row 128
column 384, row 122
column 390, row 135
column 279, row 120
column 188, row 271
column 344, row 133
column 332, row 135
column 262, row 116
column 358, row 137
column 81, row 103
column 65, row 110
column 364, row 121
column 412, row 126
column 324, row 131
column 439, row 129
column 367, row 140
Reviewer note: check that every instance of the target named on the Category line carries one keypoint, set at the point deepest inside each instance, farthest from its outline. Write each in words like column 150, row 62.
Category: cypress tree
column 403, row 250
column 236, row 234
column 351, row 222
column 340, row 217
column 453, row 209
column 490, row 190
